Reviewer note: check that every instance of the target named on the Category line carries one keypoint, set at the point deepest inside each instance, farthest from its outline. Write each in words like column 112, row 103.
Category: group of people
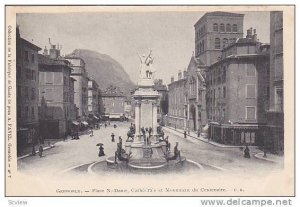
column 41, row 149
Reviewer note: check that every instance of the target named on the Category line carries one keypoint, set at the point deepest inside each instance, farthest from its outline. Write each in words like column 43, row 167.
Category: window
column 250, row 113
column 32, row 58
column 234, row 28
column 32, row 112
column 228, row 28
column 222, row 28
column 202, row 46
column 26, row 95
column 32, row 93
column 32, row 75
column 217, row 43
column 49, row 77
column 278, row 99
column 225, row 42
column 49, row 95
column 28, row 74
column 26, row 112
column 224, row 92
column 26, row 56
column 215, row 27
column 250, row 91
column 250, row 70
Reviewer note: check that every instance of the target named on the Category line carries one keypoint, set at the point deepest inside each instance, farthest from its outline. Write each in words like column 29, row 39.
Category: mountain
column 104, row 70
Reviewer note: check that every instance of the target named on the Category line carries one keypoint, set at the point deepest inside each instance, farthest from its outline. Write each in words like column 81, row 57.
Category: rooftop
column 45, row 60
column 220, row 14
column 29, row 44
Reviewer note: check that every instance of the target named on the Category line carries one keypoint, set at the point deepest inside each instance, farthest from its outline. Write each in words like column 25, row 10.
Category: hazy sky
column 170, row 35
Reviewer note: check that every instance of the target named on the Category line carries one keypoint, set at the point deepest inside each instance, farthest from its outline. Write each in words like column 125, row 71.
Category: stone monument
column 145, row 149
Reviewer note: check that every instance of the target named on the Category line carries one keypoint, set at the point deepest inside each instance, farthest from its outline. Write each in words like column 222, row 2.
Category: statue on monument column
column 146, row 68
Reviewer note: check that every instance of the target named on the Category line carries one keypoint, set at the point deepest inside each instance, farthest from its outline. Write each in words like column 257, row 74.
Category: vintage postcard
column 150, row 100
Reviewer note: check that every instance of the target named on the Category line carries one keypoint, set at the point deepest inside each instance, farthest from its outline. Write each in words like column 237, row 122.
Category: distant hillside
column 105, row 70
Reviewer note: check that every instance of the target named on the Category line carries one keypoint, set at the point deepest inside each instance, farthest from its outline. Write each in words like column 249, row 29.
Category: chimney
column 45, row 51
column 172, row 79
column 184, row 74
column 179, row 74
column 249, row 33
column 254, row 37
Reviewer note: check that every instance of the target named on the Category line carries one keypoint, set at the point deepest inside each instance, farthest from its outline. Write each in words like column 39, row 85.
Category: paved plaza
column 71, row 153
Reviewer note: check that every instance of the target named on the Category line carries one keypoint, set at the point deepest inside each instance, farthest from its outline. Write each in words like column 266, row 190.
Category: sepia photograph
column 150, row 101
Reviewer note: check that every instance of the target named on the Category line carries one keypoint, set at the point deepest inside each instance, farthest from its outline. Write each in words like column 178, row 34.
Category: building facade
column 177, row 112
column 237, row 92
column 56, row 98
column 162, row 107
column 275, row 130
column 195, row 93
column 79, row 73
column 93, row 100
column 113, row 101
column 27, row 92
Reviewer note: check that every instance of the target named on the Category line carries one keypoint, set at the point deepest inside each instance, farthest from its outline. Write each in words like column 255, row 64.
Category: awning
column 214, row 123
column 22, row 129
column 114, row 116
column 84, row 123
column 96, row 117
column 75, row 123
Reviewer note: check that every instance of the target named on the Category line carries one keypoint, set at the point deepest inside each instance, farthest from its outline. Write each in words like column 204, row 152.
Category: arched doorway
column 193, row 117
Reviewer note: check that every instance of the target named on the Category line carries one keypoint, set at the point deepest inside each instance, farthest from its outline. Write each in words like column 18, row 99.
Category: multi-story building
column 113, row 102
column 275, row 133
column 187, row 104
column 237, row 92
column 215, row 31
column 177, row 112
column 73, row 108
column 162, row 108
column 79, row 73
column 55, row 95
column 195, row 93
column 27, row 92
column 93, row 100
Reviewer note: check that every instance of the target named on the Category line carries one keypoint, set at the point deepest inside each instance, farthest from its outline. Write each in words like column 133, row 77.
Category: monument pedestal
column 146, row 151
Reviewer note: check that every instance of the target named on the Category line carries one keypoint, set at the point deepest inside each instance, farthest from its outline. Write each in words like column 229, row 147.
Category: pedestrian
column 198, row 132
column 92, row 133
column 184, row 133
column 120, row 140
column 112, row 137
column 41, row 151
column 33, row 150
column 105, row 125
column 247, row 152
column 101, row 151
column 143, row 131
column 150, row 131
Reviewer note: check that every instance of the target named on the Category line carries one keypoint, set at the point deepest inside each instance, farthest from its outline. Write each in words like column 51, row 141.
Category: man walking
column 112, row 137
